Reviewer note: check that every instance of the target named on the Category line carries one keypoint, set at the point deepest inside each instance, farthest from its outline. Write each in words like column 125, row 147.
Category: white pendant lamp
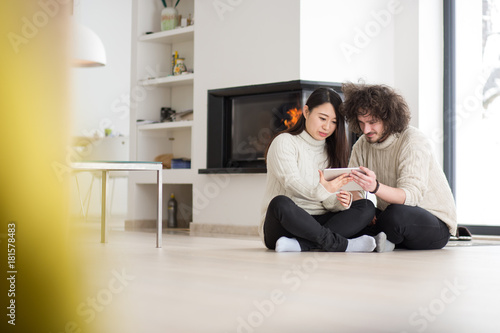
column 88, row 47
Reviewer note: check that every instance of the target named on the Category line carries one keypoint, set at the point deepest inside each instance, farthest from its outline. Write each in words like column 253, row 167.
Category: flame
column 294, row 117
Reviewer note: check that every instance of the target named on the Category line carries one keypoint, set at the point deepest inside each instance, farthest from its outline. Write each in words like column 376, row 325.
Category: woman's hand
column 334, row 185
column 367, row 180
column 345, row 198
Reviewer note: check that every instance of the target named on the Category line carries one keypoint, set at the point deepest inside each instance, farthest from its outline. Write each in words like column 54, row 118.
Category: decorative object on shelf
column 165, row 159
column 172, row 212
column 179, row 67
column 175, row 55
column 169, row 16
column 183, row 115
column 167, row 114
column 145, row 121
column 181, row 163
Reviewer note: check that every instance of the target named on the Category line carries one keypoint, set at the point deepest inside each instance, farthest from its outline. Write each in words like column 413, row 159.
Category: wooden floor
column 222, row 284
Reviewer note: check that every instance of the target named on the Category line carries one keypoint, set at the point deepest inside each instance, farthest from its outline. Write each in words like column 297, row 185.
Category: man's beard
column 382, row 138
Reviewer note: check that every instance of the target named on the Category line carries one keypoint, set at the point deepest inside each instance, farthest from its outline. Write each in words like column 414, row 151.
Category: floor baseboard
column 223, row 229
column 133, row 225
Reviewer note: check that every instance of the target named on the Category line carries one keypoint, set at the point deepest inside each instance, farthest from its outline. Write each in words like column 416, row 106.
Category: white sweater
column 293, row 162
column 406, row 161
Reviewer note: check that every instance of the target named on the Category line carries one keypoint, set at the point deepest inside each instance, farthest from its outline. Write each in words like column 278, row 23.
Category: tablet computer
column 334, row 173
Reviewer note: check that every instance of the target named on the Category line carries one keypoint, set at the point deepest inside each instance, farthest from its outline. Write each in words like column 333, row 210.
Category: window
column 477, row 111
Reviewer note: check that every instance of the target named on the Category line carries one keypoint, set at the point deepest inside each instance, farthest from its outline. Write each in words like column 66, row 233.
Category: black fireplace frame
column 219, row 120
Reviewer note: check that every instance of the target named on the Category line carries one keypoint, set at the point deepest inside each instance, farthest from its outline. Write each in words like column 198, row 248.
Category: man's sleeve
column 413, row 170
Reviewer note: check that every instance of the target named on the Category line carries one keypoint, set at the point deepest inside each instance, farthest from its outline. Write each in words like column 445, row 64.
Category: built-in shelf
column 166, row 125
column 169, row 176
column 151, row 69
column 170, row 36
column 169, row 81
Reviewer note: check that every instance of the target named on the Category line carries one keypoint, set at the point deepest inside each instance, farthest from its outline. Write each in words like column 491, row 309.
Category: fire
column 294, row 117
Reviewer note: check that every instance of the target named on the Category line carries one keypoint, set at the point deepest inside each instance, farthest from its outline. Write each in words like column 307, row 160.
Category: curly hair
column 380, row 101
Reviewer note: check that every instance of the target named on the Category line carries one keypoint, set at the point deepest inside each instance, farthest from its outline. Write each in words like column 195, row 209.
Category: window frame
column 449, row 109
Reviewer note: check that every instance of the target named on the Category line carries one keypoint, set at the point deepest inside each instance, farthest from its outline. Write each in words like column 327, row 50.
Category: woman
column 302, row 211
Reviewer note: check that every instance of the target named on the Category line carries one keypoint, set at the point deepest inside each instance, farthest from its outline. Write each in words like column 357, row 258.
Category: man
column 415, row 206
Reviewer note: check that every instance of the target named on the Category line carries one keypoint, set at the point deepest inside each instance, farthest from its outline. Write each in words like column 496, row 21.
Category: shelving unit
column 169, row 81
column 178, row 35
column 153, row 87
column 163, row 126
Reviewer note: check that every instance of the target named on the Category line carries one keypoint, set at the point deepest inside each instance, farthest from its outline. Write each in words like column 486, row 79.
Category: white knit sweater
column 293, row 162
column 406, row 161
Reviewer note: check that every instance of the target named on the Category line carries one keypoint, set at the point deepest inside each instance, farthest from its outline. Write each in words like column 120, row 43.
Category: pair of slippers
column 463, row 234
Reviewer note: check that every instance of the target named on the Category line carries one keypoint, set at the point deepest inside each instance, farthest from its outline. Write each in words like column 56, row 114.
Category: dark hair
column 380, row 101
column 336, row 144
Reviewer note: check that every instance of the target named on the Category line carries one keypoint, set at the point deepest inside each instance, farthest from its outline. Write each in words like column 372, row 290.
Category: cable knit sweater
column 406, row 161
column 293, row 162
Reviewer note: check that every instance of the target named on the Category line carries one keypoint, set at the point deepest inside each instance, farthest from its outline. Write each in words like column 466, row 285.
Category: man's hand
column 367, row 180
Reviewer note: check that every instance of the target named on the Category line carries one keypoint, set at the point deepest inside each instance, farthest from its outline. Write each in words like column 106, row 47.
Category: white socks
column 383, row 245
column 285, row 244
column 363, row 243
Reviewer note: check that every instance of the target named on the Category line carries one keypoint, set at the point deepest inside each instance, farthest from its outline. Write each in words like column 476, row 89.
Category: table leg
column 159, row 217
column 80, row 196
column 103, row 206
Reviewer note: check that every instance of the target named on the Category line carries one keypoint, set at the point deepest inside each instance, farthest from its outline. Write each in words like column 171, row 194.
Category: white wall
column 347, row 40
column 406, row 55
column 248, row 42
column 419, row 66
column 101, row 95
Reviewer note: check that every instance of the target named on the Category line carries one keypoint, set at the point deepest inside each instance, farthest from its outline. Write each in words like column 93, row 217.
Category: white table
column 105, row 167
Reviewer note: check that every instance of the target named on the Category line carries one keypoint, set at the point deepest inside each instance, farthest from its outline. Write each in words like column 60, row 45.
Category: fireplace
column 241, row 121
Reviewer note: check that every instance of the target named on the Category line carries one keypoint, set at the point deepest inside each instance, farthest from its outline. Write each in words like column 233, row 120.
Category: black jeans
column 328, row 232
column 410, row 227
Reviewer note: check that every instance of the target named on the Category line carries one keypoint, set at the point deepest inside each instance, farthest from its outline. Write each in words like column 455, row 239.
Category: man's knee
column 391, row 217
column 395, row 211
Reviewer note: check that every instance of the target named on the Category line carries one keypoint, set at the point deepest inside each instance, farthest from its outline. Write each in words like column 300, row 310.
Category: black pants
column 410, row 227
column 328, row 232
